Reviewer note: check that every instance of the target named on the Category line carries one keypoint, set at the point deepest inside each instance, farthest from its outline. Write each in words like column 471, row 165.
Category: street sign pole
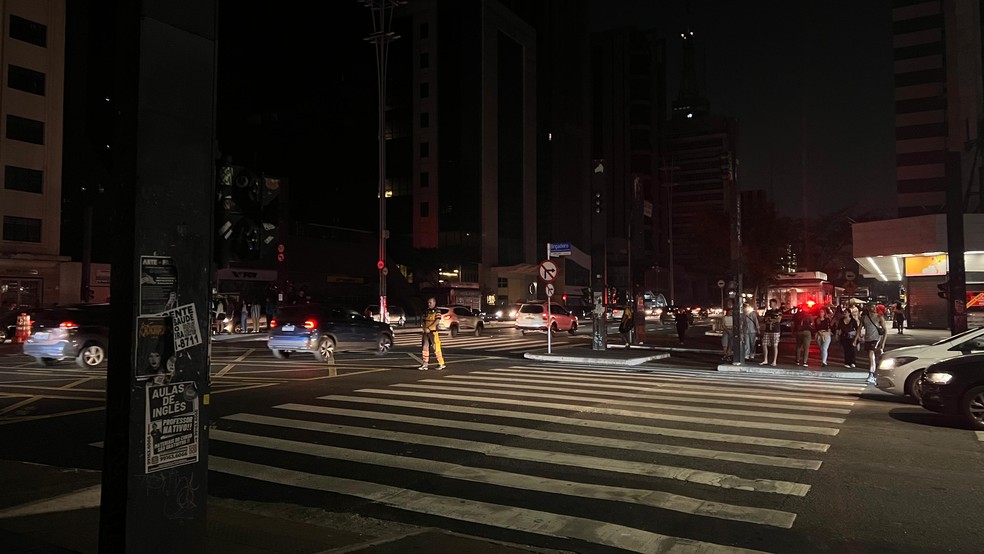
column 549, row 340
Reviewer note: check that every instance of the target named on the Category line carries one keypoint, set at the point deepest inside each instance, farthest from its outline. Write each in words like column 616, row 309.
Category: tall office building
column 699, row 195
column 31, row 106
column 628, row 116
column 938, row 96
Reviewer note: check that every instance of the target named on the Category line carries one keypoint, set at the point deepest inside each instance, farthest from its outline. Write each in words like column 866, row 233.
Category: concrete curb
column 561, row 358
column 769, row 370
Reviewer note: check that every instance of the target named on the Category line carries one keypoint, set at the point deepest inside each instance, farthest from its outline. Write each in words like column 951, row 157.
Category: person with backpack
column 869, row 335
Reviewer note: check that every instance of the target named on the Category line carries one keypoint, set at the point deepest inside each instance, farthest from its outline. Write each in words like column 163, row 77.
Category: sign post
column 548, row 272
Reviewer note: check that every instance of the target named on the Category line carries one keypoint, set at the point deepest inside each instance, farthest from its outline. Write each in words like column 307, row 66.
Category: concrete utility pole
column 154, row 480
column 599, row 255
column 382, row 20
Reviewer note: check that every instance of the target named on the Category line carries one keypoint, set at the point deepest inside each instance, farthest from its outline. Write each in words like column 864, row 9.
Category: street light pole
column 382, row 19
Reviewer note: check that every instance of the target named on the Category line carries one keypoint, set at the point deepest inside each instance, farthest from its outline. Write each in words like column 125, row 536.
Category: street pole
column 599, row 255
column 549, row 315
column 382, row 19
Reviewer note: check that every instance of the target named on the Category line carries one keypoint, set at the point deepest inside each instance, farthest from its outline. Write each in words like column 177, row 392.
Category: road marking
column 980, row 435
column 711, row 478
column 84, row 498
column 567, row 438
column 23, row 419
column 18, row 405
column 590, row 423
column 646, row 497
column 655, row 393
column 472, row 511
column 77, row 382
column 441, row 384
column 579, row 406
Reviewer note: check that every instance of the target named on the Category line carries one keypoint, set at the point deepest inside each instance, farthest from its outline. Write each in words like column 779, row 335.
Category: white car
column 533, row 317
column 899, row 370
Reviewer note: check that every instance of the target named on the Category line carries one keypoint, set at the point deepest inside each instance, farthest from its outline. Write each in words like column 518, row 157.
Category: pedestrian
column 824, row 329
column 898, row 317
column 430, row 336
column 220, row 314
column 682, row 323
column 869, row 334
column 625, row 325
column 255, row 309
column 639, row 319
column 881, row 311
column 846, row 329
column 244, row 315
column 271, row 307
column 751, row 323
column 727, row 329
column 770, row 333
column 803, row 327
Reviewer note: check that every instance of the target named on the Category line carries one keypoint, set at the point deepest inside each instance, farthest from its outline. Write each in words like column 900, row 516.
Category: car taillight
column 273, row 323
column 446, row 316
column 68, row 325
column 310, row 324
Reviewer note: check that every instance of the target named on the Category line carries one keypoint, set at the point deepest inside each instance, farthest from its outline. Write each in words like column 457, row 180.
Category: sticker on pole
column 548, row 271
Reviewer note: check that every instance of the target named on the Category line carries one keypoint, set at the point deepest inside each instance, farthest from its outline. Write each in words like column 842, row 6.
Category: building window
column 28, row 31
column 424, row 30
column 424, row 149
column 23, row 179
column 503, row 282
column 424, row 209
column 424, row 90
column 23, row 129
column 425, row 120
column 25, row 79
column 425, row 60
column 22, row 229
column 424, row 179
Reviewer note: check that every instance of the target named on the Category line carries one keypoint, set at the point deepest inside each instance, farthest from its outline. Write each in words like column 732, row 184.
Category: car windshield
column 959, row 336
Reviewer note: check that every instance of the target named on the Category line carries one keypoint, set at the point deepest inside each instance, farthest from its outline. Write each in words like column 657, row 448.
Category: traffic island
column 799, row 371
column 612, row 357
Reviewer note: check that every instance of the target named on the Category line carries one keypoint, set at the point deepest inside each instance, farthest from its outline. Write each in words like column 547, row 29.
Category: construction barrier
column 23, row 328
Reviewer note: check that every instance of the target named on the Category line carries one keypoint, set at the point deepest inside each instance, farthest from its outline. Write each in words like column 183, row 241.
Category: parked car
column 955, row 386
column 75, row 332
column 533, row 317
column 899, row 370
column 455, row 319
column 322, row 330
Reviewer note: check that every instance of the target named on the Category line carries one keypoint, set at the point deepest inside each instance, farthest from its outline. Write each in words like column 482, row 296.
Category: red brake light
column 310, row 324
column 810, row 303
column 68, row 325
column 273, row 323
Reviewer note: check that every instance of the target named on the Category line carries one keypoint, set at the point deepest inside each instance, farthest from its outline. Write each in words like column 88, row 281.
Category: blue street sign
column 560, row 249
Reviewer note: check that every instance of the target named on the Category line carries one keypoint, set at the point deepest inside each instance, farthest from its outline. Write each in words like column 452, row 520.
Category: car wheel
column 454, row 330
column 91, row 355
column 573, row 329
column 553, row 328
column 46, row 362
column 912, row 386
column 972, row 407
column 281, row 354
column 523, row 331
column 326, row 348
column 383, row 344
column 478, row 329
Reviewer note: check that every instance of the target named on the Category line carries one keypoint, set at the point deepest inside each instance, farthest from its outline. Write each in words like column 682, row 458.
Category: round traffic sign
column 548, row 270
column 721, row 283
column 549, row 289
column 849, row 275
column 380, row 264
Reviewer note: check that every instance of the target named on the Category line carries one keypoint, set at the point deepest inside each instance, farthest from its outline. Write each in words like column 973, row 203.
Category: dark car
column 8, row 325
column 322, row 330
column 76, row 332
column 955, row 386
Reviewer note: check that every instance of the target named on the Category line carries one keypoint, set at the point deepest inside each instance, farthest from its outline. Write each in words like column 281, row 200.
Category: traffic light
column 944, row 290
column 597, row 203
column 727, row 167
column 249, row 215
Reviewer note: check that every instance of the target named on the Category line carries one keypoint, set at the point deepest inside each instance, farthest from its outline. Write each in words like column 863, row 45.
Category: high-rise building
column 31, row 108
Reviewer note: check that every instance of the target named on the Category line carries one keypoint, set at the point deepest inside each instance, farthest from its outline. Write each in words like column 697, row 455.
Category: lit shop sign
column 926, row 265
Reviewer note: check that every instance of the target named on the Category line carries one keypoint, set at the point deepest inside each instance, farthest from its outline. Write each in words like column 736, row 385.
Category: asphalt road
column 669, row 455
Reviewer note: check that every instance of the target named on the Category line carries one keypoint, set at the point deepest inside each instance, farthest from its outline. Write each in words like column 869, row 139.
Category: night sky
column 804, row 76
column 810, row 83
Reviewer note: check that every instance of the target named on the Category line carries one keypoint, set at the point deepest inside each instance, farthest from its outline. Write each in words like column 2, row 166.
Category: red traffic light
column 380, row 264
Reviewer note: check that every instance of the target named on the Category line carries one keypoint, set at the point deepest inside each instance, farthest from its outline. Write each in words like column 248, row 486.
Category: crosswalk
column 494, row 343
column 663, row 461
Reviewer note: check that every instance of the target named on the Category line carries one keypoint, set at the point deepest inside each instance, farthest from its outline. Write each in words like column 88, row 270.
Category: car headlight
column 939, row 378
column 892, row 363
